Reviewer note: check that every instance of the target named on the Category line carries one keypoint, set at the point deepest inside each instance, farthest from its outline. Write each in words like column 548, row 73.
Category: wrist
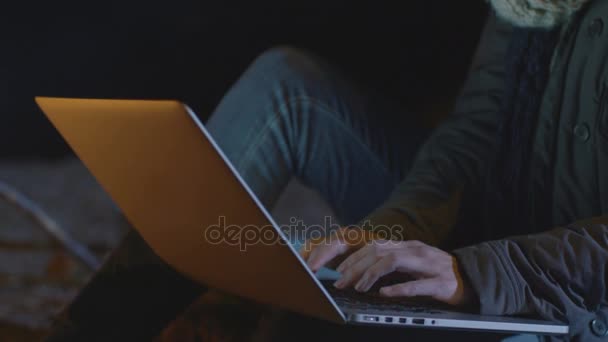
column 466, row 295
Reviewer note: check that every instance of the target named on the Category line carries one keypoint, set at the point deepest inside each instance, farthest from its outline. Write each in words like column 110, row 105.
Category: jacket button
column 581, row 131
column 596, row 28
column 599, row 328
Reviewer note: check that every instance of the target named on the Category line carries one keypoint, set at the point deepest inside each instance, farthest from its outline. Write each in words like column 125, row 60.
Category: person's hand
column 436, row 272
column 331, row 250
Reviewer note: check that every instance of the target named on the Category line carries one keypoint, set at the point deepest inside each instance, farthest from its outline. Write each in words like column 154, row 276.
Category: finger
column 309, row 245
column 317, row 257
column 377, row 245
column 325, row 251
column 322, row 254
column 353, row 259
column 417, row 288
column 381, row 268
column 352, row 274
column 418, row 261
column 305, row 251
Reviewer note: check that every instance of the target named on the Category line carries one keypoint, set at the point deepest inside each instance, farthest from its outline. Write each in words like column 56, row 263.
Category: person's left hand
column 436, row 272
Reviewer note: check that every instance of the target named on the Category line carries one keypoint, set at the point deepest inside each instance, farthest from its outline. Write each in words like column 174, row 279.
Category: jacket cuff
column 498, row 285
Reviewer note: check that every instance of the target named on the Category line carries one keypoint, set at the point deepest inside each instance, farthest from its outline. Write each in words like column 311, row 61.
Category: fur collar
column 537, row 13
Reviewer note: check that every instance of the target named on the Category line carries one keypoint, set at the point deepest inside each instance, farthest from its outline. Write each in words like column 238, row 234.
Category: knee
column 283, row 55
column 285, row 63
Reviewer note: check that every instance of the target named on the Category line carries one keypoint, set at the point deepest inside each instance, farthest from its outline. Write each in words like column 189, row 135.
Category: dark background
column 417, row 51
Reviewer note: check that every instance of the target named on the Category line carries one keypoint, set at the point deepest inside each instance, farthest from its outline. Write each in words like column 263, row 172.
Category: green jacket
column 560, row 274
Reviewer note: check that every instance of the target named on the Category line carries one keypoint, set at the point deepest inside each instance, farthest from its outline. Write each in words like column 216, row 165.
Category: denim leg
column 290, row 115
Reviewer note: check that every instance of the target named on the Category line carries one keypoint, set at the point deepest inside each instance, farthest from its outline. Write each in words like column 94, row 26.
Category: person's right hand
column 330, row 251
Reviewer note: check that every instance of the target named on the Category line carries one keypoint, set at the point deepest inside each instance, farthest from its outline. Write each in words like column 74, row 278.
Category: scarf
column 536, row 33
column 545, row 14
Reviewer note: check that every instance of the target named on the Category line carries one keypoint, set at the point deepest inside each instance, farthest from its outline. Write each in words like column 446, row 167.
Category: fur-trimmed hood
column 536, row 13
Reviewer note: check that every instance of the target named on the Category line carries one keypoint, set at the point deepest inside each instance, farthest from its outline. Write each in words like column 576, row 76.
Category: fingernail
column 359, row 285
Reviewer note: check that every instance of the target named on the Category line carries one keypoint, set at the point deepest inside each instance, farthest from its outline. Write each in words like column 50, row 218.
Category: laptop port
column 402, row 320
column 388, row 319
column 371, row 318
column 418, row 321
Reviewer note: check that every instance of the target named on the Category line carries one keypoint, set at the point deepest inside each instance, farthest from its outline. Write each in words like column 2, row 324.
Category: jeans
column 290, row 114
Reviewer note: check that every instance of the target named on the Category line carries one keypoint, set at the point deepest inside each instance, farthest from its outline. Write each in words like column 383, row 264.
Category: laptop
column 185, row 198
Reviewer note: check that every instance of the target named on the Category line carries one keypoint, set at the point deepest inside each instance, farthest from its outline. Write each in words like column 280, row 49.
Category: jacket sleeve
column 428, row 199
column 559, row 275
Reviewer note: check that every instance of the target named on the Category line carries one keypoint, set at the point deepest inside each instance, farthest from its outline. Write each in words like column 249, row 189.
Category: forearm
column 559, row 275
column 454, row 158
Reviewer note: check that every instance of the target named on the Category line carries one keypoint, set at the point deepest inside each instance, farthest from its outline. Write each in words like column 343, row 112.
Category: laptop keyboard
column 372, row 301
